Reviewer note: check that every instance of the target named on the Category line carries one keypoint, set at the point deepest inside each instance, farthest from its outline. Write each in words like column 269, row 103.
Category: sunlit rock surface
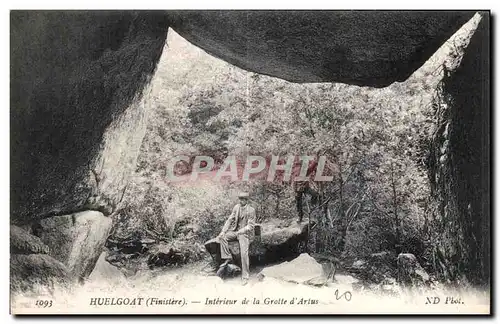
column 76, row 240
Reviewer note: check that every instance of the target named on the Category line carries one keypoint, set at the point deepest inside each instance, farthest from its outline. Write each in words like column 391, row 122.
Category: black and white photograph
column 250, row 162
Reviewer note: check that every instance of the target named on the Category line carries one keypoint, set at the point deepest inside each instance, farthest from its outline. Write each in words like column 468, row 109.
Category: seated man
column 239, row 226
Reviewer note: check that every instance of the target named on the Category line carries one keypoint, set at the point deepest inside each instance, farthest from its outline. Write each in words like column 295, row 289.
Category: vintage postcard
column 250, row 162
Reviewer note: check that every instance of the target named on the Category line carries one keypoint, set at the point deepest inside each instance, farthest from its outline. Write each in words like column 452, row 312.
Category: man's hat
column 243, row 195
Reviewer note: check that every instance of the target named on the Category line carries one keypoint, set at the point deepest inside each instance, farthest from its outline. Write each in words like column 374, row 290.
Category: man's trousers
column 244, row 242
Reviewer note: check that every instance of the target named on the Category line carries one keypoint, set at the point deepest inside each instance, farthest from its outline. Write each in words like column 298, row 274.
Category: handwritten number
column 347, row 295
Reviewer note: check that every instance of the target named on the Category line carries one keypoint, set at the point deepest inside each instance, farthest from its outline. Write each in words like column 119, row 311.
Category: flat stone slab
column 299, row 270
column 276, row 243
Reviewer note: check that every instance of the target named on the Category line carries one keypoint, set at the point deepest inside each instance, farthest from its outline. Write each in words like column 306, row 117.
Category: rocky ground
column 270, row 290
column 284, row 278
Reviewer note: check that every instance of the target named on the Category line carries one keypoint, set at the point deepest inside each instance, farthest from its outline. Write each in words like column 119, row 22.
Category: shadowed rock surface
column 76, row 119
column 459, row 165
column 366, row 48
column 29, row 270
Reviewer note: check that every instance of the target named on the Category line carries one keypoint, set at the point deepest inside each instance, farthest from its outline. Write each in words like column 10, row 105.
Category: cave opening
column 201, row 105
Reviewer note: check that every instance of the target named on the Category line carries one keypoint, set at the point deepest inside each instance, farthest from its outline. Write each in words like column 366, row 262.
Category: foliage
column 376, row 142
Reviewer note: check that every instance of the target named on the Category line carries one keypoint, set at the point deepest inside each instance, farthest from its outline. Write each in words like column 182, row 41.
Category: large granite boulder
column 77, row 79
column 78, row 113
column 79, row 102
column 459, row 164
column 76, row 240
column 368, row 48
column 272, row 243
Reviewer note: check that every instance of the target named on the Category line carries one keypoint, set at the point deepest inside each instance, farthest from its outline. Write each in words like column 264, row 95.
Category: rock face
column 76, row 240
column 77, row 120
column 272, row 245
column 355, row 47
column 459, row 165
